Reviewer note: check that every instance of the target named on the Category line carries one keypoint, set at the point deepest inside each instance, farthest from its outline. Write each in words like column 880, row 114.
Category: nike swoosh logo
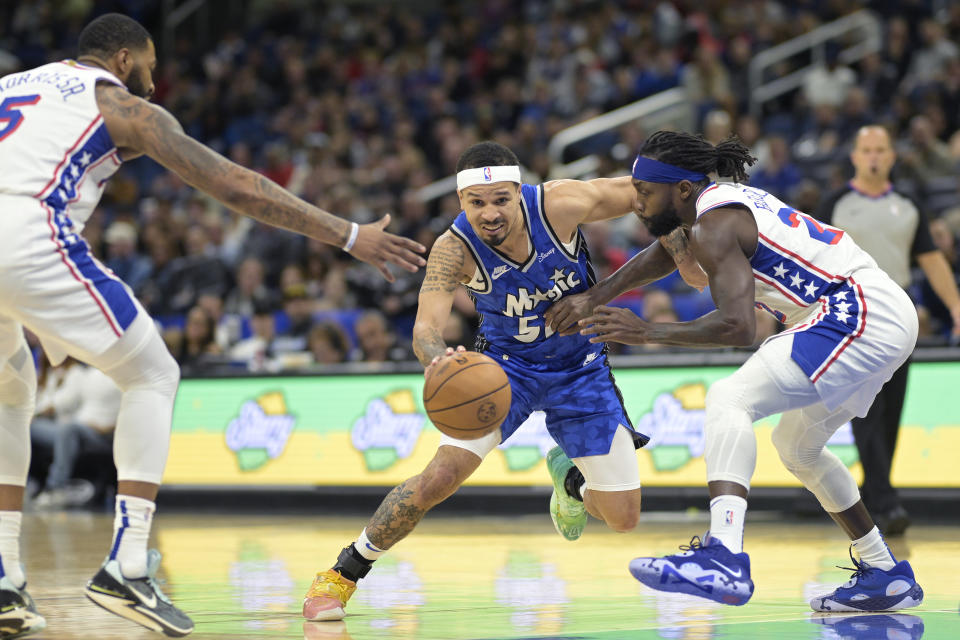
column 150, row 602
column 371, row 547
column 737, row 574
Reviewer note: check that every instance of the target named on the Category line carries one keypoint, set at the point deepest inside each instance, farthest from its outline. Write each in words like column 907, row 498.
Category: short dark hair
column 486, row 154
column 109, row 33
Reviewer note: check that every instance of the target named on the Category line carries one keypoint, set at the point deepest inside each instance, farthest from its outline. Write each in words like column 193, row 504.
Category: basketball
column 467, row 396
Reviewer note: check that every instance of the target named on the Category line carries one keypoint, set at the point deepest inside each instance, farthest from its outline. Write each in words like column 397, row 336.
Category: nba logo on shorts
column 487, row 175
column 729, row 517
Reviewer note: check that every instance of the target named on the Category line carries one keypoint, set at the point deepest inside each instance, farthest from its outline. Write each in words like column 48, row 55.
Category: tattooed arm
column 447, row 267
column 678, row 246
column 138, row 127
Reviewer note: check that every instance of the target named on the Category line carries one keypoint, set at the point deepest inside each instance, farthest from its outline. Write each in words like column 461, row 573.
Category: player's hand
column 378, row 247
column 436, row 359
column 563, row 315
column 614, row 324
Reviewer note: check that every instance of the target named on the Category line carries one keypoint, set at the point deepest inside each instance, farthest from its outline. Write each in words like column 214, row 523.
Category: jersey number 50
column 10, row 113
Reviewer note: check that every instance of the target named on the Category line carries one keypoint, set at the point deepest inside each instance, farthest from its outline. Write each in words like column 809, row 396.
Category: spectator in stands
column 87, row 431
column 195, row 346
column 122, row 257
column 779, row 175
column 707, row 82
column 250, row 288
column 828, row 83
column 377, row 342
column 194, row 272
column 298, row 308
column 257, row 351
column 328, row 344
column 924, row 156
column 932, row 58
column 717, row 126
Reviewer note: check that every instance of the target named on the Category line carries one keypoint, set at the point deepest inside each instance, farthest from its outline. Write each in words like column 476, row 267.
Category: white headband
column 487, row 175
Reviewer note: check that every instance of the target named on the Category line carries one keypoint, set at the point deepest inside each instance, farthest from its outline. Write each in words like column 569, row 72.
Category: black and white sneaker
column 139, row 600
column 18, row 613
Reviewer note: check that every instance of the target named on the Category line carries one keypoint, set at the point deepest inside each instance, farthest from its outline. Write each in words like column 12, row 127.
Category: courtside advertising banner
column 372, row 430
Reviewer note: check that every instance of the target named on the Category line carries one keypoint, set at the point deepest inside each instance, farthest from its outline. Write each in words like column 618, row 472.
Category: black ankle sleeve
column 573, row 482
column 351, row 565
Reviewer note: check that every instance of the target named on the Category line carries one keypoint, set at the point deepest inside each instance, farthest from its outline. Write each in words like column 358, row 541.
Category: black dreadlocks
column 730, row 158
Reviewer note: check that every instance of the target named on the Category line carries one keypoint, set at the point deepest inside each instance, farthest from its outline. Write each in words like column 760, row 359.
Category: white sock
column 874, row 551
column 366, row 548
column 727, row 514
column 131, row 529
column 10, row 547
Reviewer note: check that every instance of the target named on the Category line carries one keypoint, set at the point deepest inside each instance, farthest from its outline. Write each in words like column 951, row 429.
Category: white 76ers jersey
column 799, row 262
column 54, row 146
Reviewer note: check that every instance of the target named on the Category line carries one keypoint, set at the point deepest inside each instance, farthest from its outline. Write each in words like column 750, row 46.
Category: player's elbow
column 738, row 332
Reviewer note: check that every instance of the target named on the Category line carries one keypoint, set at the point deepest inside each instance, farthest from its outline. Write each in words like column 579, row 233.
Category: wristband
column 354, row 231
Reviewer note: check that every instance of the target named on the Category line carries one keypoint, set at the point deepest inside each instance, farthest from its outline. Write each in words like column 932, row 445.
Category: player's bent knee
column 623, row 521
column 620, row 509
column 724, row 394
column 794, row 457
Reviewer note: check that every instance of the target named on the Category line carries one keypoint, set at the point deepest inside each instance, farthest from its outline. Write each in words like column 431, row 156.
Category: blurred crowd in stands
column 355, row 106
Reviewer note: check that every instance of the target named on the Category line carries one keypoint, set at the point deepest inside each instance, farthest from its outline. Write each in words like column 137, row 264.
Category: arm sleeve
column 922, row 240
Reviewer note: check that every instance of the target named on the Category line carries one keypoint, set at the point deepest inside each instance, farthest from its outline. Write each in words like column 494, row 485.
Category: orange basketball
column 467, row 396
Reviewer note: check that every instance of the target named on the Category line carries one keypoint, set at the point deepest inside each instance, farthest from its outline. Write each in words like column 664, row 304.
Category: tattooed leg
column 406, row 504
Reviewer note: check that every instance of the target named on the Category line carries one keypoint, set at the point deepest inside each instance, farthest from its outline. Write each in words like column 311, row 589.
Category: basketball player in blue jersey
column 824, row 369
column 517, row 248
column 65, row 127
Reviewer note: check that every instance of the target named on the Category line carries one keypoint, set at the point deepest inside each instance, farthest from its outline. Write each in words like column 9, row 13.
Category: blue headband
column 652, row 171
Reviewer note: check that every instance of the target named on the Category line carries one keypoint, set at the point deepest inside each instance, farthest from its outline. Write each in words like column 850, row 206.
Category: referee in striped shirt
column 892, row 229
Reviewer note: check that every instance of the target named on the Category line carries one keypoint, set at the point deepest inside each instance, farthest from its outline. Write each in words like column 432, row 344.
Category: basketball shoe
column 568, row 514
column 18, row 613
column 706, row 570
column 327, row 596
column 901, row 626
column 873, row 589
column 139, row 600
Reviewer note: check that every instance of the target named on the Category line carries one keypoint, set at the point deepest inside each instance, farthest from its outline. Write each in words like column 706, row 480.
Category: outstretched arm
column 569, row 203
column 650, row 264
column 715, row 241
column 143, row 128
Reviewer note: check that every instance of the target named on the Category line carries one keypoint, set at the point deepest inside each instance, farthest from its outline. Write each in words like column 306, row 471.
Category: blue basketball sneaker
column 902, row 626
column 706, row 570
column 873, row 589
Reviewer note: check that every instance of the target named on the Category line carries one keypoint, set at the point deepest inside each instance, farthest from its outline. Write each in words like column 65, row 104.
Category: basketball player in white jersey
column 849, row 328
column 64, row 129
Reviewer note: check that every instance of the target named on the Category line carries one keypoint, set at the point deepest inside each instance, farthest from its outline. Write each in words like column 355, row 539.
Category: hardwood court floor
column 243, row 577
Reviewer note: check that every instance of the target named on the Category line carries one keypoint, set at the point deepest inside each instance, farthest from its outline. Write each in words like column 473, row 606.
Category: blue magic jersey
column 566, row 377
column 512, row 297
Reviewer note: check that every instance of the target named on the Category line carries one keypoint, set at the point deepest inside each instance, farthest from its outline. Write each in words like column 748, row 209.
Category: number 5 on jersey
column 10, row 115
column 527, row 333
